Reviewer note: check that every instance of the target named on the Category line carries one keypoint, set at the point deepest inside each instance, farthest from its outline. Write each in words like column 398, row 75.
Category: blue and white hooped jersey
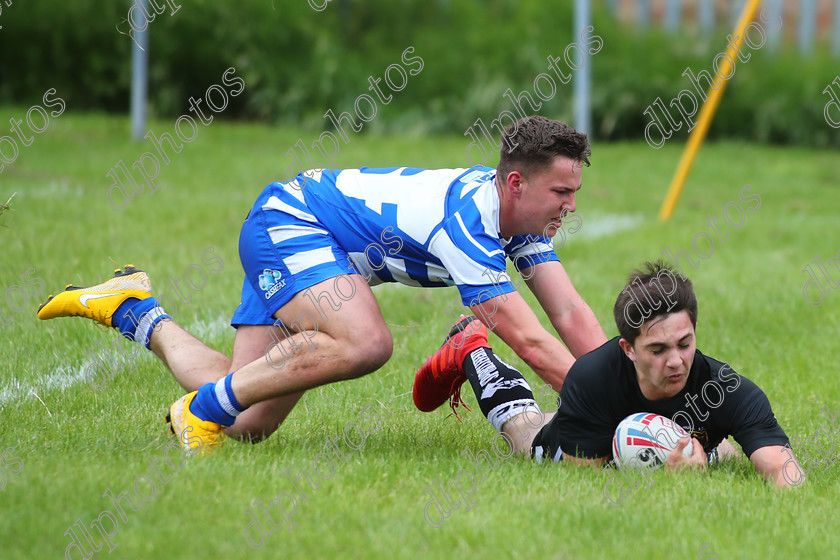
column 421, row 227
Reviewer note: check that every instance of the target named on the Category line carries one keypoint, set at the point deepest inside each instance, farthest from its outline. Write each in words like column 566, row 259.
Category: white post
column 139, row 77
column 736, row 9
column 643, row 13
column 836, row 16
column 583, row 75
column 673, row 14
column 707, row 15
column 807, row 21
column 774, row 8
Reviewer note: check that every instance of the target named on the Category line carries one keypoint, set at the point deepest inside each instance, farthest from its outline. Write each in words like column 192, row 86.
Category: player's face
column 549, row 195
column 663, row 354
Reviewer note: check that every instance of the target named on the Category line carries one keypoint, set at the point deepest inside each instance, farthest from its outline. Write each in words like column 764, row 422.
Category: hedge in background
column 298, row 62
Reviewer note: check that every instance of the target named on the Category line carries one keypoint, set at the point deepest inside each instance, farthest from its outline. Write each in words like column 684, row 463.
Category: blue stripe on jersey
column 528, row 250
column 434, row 227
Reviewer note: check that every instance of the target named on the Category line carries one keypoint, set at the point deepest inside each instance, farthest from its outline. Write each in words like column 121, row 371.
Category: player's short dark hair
column 657, row 297
column 531, row 145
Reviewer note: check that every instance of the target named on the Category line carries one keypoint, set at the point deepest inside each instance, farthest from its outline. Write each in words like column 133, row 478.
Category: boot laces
column 455, row 399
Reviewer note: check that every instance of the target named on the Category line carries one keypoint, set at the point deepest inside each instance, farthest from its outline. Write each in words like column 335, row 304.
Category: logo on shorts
column 270, row 282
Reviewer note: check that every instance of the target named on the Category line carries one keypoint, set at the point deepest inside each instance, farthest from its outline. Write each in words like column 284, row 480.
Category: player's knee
column 381, row 348
column 372, row 351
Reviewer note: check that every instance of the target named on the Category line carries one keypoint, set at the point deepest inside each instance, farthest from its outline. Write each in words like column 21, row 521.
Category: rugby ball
column 645, row 440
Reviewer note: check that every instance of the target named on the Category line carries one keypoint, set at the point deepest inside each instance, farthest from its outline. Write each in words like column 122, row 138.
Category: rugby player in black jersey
column 652, row 366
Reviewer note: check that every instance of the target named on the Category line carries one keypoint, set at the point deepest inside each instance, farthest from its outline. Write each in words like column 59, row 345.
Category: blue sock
column 137, row 318
column 215, row 402
column 128, row 314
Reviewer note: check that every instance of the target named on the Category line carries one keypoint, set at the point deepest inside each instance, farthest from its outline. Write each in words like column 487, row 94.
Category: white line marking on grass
column 61, row 378
column 66, row 377
column 596, row 225
column 212, row 329
column 56, row 190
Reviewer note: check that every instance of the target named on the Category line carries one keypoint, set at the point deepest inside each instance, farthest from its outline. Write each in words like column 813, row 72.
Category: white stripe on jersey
column 307, row 259
column 282, row 233
column 462, row 269
column 275, row 203
column 488, row 198
column 398, row 270
column 535, row 248
column 362, row 266
column 296, row 191
column 437, row 273
column 419, row 198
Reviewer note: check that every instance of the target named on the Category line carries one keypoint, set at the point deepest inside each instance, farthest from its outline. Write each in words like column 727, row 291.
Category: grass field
column 76, row 443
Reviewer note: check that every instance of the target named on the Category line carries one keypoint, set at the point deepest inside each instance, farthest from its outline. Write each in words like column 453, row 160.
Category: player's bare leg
column 502, row 393
column 193, row 364
column 328, row 345
column 263, row 418
column 522, row 428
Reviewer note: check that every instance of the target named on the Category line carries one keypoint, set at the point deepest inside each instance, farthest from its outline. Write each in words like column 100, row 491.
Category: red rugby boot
column 441, row 377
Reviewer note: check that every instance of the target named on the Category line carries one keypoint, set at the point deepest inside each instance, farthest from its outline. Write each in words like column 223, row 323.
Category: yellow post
column 707, row 112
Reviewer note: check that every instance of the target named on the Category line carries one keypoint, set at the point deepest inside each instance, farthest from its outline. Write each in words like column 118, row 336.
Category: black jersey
column 601, row 389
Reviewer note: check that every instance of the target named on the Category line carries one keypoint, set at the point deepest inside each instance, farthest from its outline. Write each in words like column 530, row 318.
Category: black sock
column 496, row 384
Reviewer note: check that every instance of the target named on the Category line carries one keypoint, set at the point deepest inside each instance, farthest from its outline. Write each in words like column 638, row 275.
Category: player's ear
column 514, row 182
column 628, row 348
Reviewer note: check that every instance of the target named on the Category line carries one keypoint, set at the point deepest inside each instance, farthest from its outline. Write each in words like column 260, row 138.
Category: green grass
column 76, row 443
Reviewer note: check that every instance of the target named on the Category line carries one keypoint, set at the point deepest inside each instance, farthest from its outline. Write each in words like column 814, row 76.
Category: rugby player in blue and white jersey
column 312, row 247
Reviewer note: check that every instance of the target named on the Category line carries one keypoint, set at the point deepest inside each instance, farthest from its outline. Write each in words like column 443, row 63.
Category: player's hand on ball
column 678, row 460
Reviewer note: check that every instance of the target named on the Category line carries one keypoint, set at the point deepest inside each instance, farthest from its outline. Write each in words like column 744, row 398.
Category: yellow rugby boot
column 196, row 436
column 98, row 302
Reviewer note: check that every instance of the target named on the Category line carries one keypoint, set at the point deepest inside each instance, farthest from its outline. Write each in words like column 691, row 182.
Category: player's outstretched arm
column 513, row 321
column 572, row 318
column 770, row 462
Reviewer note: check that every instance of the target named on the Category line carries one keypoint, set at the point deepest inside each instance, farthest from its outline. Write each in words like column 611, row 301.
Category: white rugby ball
column 645, row 440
